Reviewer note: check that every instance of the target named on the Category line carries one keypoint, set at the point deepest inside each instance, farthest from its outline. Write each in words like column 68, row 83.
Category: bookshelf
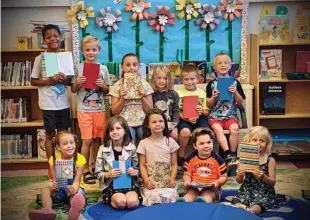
column 34, row 112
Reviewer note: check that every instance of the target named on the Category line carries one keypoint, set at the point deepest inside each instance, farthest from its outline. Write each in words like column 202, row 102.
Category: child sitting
column 223, row 114
column 204, row 170
column 257, row 192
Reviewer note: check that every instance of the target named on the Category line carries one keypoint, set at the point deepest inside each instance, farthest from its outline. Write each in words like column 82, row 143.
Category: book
column 249, row 156
column 274, row 29
column 53, row 63
column 223, row 83
column 132, row 84
column 270, row 64
column 160, row 174
column 189, row 106
column 64, row 173
column 302, row 29
column 91, row 73
column 41, row 138
column 142, row 71
column 273, row 98
column 302, row 61
column 174, row 69
column 200, row 186
column 201, row 65
column 124, row 181
column 23, row 42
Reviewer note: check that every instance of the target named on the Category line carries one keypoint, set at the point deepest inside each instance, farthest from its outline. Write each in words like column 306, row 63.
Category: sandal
column 88, row 178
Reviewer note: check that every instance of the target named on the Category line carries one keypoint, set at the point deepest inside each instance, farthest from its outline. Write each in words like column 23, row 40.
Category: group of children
column 155, row 122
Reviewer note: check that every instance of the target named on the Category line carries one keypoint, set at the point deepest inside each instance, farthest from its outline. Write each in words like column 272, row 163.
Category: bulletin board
column 163, row 30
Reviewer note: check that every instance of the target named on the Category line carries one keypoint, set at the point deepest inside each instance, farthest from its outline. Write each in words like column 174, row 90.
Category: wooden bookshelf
column 18, row 87
column 285, row 81
column 284, row 44
column 13, row 50
column 287, row 115
column 28, row 160
column 35, row 123
column 24, row 164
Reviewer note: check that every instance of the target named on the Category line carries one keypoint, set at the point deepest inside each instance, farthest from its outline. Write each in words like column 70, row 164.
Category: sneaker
column 77, row 206
column 180, row 199
column 230, row 160
column 200, row 199
column 44, row 213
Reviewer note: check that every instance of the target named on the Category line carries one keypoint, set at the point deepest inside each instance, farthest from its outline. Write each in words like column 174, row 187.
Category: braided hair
column 55, row 143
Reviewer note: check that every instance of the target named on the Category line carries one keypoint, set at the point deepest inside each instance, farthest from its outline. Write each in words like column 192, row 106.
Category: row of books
column 15, row 73
column 284, row 148
column 271, row 63
column 14, row 110
column 16, row 146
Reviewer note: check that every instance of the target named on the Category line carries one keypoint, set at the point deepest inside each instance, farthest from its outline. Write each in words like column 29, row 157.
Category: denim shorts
column 62, row 195
column 201, row 122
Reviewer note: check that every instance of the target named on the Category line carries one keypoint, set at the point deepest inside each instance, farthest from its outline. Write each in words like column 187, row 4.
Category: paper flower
column 108, row 19
column 208, row 17
column 79, row 12
column 138, row 9
column 162, row 18
column 231, row 8
column 188, row 8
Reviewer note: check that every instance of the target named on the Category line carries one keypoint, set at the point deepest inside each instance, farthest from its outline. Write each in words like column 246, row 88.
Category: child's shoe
column 180, row 199
column 200, row 199
column 77, row 205
column 44, row 213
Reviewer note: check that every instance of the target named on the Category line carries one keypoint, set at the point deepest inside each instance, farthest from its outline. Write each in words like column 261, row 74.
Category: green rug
column 8, row 183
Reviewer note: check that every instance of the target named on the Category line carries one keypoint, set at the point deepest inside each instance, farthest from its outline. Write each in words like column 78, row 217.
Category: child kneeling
column 204, row 170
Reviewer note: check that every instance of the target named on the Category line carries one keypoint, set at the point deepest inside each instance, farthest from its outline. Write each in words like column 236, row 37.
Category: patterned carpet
column 17, row 201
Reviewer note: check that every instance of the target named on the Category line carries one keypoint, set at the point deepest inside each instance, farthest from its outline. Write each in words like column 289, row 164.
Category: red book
column 301, row 61
column 189, row 106
column 91, row 73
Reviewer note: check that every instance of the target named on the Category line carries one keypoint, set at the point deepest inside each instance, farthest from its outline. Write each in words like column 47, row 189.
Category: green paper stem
column 230, row 39
column 208, row 45
column 138, row 37
column 161, row 46
column 186, row 39
column 110, row 49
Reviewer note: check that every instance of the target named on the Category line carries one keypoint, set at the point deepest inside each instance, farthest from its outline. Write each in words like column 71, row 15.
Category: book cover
column 273, row 98
column 249, row 156
column 152, row 67
column 91, row 73
column 41, row 138
column 64, row 173
column 274, row 29
column 201, row 65
column 222, row 85
column 53, row 63
column 270, row 64
column 189, row 106
column 302, row 61
column 142, row 71
column 174, row 69
column 302, row 29
column 132, row 84
column 200, row 186
column 160, row 174
column 22, row 42
column 124, row 181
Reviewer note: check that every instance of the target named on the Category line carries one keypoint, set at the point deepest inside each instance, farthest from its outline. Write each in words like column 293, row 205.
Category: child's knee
column 132, row 203
column 185, row 132
column 217, row 128
column 120, row 202
column 234, row 129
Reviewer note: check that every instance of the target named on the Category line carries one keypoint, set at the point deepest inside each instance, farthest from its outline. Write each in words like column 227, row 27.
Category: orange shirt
column 204, row 170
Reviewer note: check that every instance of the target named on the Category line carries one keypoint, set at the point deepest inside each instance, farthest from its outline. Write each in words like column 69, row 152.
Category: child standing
column 53, row 96
column 133, row 110
column 257, row 192
column 117, row 143
column 90, row 104
column 65, row 144
column 189, row 77
column 203, row 166
column 157, row 160
column 166, row 99
column 223, row 114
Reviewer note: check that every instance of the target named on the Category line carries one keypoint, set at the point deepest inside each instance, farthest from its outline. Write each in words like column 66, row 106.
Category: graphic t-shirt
column 198, row 92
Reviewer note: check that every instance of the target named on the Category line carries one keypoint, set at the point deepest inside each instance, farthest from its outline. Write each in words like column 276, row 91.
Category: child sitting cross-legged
column 204, row 170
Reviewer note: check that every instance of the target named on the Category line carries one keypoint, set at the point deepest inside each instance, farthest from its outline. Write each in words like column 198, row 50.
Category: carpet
column 292, row 210
column 8, row 183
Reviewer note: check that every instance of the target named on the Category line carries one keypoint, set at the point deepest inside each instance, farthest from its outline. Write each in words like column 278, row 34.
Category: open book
column 53, row 63
column 201, row 186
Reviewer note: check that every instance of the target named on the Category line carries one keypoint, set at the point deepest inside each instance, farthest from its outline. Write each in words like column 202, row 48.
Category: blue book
column 222, row 86
column 124, row 180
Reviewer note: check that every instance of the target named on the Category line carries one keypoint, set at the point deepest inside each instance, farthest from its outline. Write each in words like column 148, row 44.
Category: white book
column 53, row 63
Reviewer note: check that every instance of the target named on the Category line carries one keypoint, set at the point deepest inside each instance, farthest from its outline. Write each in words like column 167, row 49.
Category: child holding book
column 64, row 149
column 157, row 160
column 133, row 110
column 204, row 170
column 189, row 77
column 117, row 145
column 165, row 98
column 223, row 113
column 53, row 96
column 257, row 192
column 90, row 102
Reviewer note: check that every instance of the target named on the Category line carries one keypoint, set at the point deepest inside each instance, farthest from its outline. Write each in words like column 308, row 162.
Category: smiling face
column 222, row 64
column 204, row 145
column 91, row 51
column 66, row 146
column 117, row 132
column 190, row 80
column 52, row 39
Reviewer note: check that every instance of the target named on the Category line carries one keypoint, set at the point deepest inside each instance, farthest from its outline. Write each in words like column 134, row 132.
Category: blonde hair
column 262, row 132
column 165, row 70
column 88, row 39
column 189, row 68
column 220, row 54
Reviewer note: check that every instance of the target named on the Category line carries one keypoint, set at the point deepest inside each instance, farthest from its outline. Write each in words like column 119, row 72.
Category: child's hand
column 172, row 184
column 73, row 188
column 192, row 120
column 54, row 186
column 99, row 83
column 186, row 183
column 258, row 173
column 141, row 92
column 215, row 93
column 114, row 173
column 80, row 80
column 240, row 172
column 149, row 185
column 122, row 92
column 55, row 78
column 232, row 89
column 199, row 109
column 131, row 171
column 61, row 77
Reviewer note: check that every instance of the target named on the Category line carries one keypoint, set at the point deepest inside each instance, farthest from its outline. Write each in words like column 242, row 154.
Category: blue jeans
column 136, row 133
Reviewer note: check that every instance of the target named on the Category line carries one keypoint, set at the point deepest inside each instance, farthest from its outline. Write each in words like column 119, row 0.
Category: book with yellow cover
column 302, row 29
